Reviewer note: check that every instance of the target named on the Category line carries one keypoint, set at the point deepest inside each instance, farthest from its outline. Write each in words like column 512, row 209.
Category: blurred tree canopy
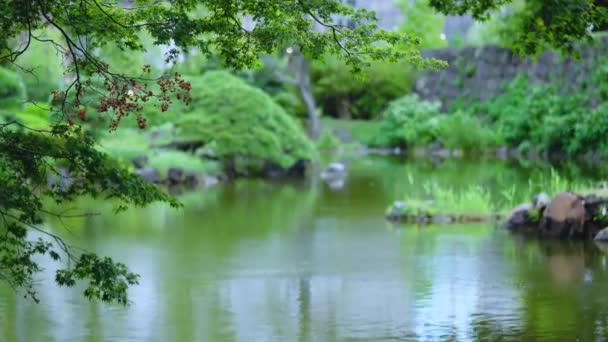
column 532, row 26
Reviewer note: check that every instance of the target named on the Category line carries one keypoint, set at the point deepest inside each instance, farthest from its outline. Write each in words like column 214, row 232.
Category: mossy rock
column 242, row 126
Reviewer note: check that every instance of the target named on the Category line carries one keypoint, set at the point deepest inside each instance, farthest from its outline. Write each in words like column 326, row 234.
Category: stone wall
column 479, row 73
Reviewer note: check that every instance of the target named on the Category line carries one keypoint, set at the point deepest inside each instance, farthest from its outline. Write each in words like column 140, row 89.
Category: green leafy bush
column 341, row 94
column 241, row 125
column 462, row 130
column 543, row 117
column 592, row 130
column 408, row 121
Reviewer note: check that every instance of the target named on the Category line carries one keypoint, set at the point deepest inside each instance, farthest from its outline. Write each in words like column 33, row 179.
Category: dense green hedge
column 241, row 125
column 410, row 121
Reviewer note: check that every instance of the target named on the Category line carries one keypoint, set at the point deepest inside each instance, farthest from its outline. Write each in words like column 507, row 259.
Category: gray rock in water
column 519, row 217
column 564, row 217
column 175, row 175
column 399, row 205
column 150, row 174
column 541, row 200
column 333, row 171
column 336, row 184
column 602, row 235
column 191, row 178
column 396, row 211
column 210, row 181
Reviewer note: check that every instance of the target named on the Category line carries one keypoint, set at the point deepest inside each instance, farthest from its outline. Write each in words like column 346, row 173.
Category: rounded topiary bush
column 242, row 126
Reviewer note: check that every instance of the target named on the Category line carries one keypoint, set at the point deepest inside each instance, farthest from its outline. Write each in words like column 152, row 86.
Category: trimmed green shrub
column 241, row 125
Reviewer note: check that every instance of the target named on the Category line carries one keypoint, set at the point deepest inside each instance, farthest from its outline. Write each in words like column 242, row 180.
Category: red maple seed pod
column 82, row 114
column 141, row 122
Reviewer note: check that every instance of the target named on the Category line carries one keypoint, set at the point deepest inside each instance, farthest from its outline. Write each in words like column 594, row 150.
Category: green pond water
column 300, row 261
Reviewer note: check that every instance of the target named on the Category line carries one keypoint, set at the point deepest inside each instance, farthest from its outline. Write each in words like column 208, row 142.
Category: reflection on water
column 255, row 261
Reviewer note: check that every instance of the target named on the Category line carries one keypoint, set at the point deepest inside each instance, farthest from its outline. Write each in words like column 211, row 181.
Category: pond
column 300, row 261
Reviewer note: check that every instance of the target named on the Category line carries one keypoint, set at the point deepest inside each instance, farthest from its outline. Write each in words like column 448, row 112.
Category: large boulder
column 564, row 217
column 176, row 175
column 520, row 217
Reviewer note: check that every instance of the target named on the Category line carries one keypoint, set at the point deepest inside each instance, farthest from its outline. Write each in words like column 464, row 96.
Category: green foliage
column 21, row 208
column 534, row 25
column 590, row 131
column 422, row 21
column 12, row 90
column 541, row 116
column 409, row 121
column 340, row 93
column 500, row 29
column 241, row 125
column 462, row 130
column 31, row 115
column 473, row 200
